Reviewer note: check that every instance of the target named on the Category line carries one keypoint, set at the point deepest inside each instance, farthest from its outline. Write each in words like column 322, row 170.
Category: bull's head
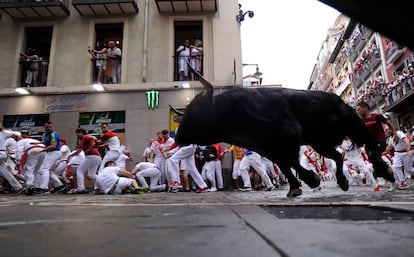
column 199, row 121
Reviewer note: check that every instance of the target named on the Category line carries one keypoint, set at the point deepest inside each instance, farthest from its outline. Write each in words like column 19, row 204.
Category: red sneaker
column 175, row 185
column 200, row 190
column 376, row 189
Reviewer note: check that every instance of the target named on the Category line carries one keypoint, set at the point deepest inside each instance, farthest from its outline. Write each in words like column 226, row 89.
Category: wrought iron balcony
column 19, row 9
column 400, row 93
column 186, row 6
column 34, row 73
column 105, row 7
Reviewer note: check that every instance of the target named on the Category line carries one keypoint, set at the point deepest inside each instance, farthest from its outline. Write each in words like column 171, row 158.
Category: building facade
column 362, row 65
column 138, row 87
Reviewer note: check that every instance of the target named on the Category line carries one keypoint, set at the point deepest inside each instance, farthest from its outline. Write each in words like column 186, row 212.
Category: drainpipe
column 145, row 53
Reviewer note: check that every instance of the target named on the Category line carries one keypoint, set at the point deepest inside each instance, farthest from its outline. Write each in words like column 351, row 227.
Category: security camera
column 251, row 14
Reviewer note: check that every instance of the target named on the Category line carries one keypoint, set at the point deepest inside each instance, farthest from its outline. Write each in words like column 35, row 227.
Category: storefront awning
column 105, row 7
column 185, row 6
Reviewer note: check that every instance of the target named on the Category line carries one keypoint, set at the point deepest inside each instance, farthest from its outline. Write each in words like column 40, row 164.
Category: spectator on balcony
column 196, row 54
column 33, row 66
column 115, row 54
column 100, row 54
column 183, row 52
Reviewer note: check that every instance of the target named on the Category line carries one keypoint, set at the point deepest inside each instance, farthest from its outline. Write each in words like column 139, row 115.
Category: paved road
column 211, row 224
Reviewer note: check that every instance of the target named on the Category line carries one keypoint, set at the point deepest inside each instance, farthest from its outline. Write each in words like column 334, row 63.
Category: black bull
column 274, row 122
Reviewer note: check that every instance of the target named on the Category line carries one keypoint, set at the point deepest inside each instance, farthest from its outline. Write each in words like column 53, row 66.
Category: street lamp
column 240, row 16
column 257, row 74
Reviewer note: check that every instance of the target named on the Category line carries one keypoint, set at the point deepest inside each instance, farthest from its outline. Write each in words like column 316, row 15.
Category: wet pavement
column 330, row 222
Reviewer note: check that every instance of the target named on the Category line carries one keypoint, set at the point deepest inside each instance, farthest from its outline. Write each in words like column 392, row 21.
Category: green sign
column 152, row 98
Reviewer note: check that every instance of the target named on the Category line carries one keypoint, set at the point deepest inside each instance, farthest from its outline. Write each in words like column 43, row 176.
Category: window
column 192, row 32
column 107, row 70
column 35, row 56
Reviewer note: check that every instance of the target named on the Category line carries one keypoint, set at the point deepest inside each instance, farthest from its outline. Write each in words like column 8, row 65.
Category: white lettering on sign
column 66, row 103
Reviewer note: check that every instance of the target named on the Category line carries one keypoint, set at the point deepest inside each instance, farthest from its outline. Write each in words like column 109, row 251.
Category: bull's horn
column 207, row 85
column 176, row 111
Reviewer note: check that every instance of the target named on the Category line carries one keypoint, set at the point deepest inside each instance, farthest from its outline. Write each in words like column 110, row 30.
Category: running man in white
column 28, row 162
column 110, row 140
column 253, row 159
column 4, row 172
column 149, row 170
column 209, row 168
column 355, row 165
column 403, row 158
column 185, row 154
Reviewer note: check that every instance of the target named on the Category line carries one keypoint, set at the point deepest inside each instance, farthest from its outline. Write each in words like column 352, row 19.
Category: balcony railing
column 394, row 52
column 398, row 92
column 180, row 62
column 34, row 73
column 19, row 9
column 104, row 75
column 186, row 6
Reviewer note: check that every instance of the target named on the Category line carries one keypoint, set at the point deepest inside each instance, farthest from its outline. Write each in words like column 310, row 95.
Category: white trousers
column 110, row 155
column 185, row 154
column 154, row 175
column 402, row 162
column 209, row 172
column 89, row 165
column 236, row 169
column 33, row 162
column 219, row 174
column 43, row 175
column 253, row 160
column 4, row 172
column 160, row 162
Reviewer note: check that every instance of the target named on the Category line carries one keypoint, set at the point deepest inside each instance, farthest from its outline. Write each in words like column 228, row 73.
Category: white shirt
column 400, row 144
column 113, row 143
column 11, row 147
column 23, row 144
column 65, row 150
column 121, row 161
column 107, row 178
column 4, row 134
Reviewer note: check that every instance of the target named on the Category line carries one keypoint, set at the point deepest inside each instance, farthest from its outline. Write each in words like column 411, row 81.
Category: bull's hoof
column 343, row 183
column 293, row 192
column 389, row 175
column 315, row 181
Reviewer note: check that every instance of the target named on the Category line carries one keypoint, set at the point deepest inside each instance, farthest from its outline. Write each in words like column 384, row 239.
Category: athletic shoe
column 139, row 190
column 58, row 189
column 316, row 189
column 20, row 191
column 376, row 189
column 403, row 186
column 41, row 191
column 78, row 191
column 213, row 189
column 175, row 185
column 201, row 190
column 245, row 189
column 270, row 188
column 173, row 190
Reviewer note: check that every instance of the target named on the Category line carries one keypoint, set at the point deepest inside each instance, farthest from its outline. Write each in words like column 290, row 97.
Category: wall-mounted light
column 22, row 91
column 98, row 87
column 186, row 85
column 240, row 16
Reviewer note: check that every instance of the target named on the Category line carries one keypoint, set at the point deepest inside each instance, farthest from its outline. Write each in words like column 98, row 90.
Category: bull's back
column 308, row 114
